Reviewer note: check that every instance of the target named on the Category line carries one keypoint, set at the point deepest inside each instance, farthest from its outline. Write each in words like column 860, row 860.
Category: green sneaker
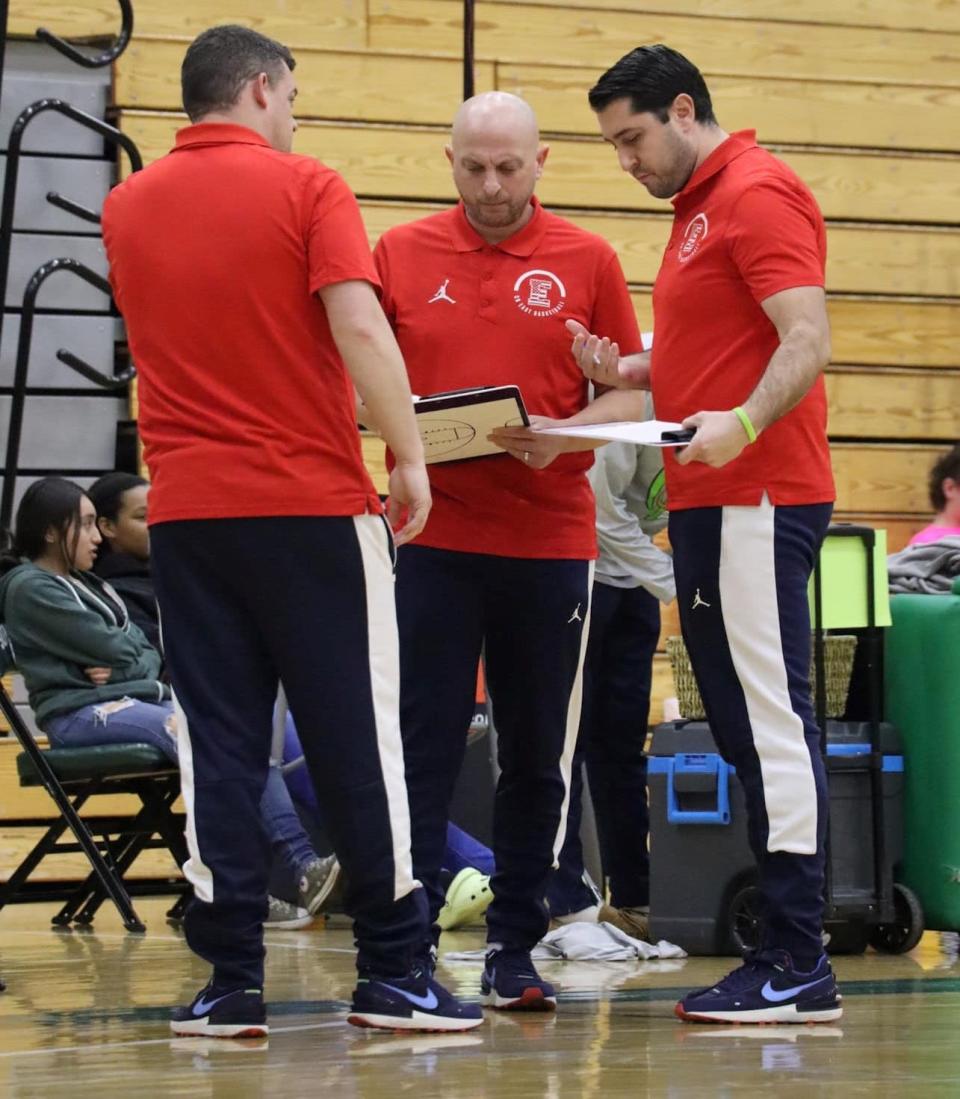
column 468, row 897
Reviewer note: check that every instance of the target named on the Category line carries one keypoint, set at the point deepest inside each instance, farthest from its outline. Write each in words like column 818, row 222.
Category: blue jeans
column 149, row 723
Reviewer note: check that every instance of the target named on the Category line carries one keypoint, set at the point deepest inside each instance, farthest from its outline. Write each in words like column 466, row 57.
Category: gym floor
column 85, row 1014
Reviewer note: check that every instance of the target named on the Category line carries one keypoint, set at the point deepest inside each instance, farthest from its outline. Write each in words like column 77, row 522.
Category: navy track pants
column 742, row 575
column 246, row 603
column 530, row 617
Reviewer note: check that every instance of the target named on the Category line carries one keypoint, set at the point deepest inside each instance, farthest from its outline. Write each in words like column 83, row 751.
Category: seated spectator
column 944, row 488
column 93, row 678
column 123, row 557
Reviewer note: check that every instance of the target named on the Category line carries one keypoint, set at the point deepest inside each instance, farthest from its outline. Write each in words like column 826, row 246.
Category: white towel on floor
column 587, row 942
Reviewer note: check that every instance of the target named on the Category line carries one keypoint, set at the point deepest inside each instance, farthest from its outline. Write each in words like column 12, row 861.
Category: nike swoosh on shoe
column 428, row 1002
column 204, row 1007
column 777, row 996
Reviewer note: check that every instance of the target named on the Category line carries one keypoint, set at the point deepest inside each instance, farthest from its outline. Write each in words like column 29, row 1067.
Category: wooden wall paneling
column 394, row 87
column 333, row 24
column 525, row 33
column 861, row 260
column 894, row 404
column 877, row 331
column 812, row 112
column 891, row 260
column 911, row 188
column 888, row 331
column 331, row 84
column 883, row 478
column 943, row 15
column 406, row 162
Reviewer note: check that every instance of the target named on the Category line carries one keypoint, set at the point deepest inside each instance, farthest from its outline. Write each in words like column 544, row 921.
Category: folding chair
column 111, row 842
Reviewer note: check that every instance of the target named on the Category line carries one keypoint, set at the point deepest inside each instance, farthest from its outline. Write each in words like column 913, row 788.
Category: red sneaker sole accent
column 532, row 999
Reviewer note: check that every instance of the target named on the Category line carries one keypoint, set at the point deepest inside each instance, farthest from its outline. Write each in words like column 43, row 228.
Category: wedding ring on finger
column 596, row 359
column 526, row 455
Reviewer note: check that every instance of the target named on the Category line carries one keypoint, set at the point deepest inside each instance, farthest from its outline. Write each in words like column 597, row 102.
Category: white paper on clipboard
column 455, row 425
column 644, row 433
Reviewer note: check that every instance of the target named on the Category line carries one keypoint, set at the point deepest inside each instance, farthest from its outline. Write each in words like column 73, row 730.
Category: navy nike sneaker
column 222, row 1013
column 414, row 1002
column 511, row 983
column 767, row 989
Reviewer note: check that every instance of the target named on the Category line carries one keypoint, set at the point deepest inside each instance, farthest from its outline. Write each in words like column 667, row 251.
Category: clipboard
column 659, row 433
column 454, row 425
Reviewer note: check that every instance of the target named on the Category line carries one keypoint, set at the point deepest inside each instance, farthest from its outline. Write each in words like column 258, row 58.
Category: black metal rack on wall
column 63, row 369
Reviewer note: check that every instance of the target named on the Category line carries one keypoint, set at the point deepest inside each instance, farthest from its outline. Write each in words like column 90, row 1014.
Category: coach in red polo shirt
column 248, row 289
column 478, row 295
column 741, row 340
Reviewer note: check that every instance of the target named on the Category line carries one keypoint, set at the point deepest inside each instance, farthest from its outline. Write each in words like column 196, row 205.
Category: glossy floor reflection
column 85, row 1014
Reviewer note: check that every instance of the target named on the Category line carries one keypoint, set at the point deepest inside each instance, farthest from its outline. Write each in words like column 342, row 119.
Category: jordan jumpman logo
column 442, row 295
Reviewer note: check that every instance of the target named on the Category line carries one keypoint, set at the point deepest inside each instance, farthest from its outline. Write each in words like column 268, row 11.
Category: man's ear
column 259, row 86
column 683, row 110
column 448, row 152
column 542, row 153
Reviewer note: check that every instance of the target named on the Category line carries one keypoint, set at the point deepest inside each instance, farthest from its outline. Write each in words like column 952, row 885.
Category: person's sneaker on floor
column 222, row 1013
column 284, row 916
column 511, row 983
column 414, row 1002
column 317, row 882
column 634, row 922
column 767, row 989
column 468, row 897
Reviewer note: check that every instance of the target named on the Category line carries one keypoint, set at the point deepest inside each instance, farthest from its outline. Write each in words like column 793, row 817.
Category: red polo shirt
column 745, row 228
column 216, row 253
column 468, row 313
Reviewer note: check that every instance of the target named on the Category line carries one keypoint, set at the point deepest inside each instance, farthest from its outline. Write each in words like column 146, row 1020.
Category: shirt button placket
column 487, row 296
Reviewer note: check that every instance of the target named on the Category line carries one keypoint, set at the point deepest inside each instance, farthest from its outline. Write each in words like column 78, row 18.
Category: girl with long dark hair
column 92, row 676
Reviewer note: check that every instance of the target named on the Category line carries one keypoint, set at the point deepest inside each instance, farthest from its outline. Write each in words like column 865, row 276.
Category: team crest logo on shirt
column 693, row 236
column 539, row 293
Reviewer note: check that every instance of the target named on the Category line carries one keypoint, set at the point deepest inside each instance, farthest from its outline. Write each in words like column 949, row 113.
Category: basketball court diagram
column 444, row 437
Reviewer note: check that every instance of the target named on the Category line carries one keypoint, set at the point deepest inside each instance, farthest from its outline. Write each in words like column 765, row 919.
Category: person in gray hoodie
column 92, row 676
column 85, row 664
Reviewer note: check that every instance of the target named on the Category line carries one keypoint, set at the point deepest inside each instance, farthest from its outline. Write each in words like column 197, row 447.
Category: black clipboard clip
column 682, row 435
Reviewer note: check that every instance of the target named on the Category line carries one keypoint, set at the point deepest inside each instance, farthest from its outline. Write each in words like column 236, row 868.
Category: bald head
column 497, row 158
column 496, row 116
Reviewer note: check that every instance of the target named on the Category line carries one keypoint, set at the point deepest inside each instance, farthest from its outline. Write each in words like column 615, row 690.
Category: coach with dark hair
column 245, row 278
column 741, row 341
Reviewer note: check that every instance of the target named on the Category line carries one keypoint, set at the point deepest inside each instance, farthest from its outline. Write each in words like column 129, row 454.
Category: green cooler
column 922, row 685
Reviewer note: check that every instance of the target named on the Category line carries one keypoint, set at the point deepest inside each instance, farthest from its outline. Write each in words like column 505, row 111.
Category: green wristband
column 746, row 423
